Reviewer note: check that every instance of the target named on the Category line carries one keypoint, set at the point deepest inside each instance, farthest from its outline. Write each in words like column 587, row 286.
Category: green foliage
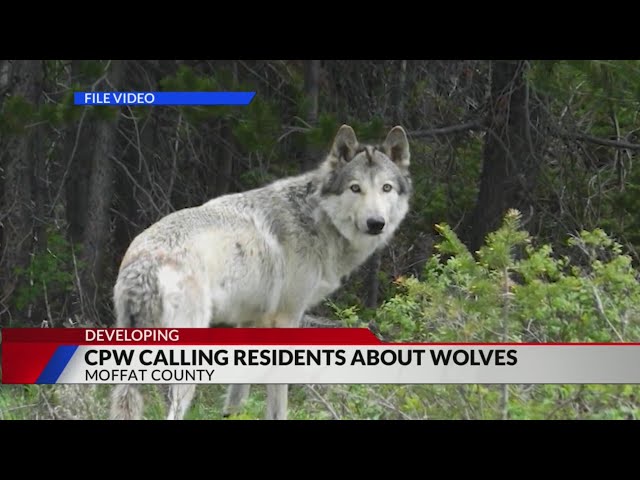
column 445, row 193
column 91, row 70
column 371, row 131
column 600, row 98
column 348, row 316
column 621, row 214
column 105, row 113
column 515, row 291
column 16, row 114
column 592, row 84
column 49, row 271
column 551, row 298
column 186, row 79
column 255, row 127
column 323, row 134
column 258, row 129
column 16, row 401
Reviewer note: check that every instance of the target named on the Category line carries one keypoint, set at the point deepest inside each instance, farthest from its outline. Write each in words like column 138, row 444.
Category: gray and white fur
column 261, row 258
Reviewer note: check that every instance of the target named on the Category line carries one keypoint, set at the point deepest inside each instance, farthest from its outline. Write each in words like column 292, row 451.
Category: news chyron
column 119, row 99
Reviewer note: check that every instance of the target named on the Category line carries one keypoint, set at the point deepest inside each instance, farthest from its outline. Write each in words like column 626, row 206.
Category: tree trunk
column 20, row 153
column 398, row 114
column 77, row 161
column 225, row 161
column 77, row 187
column 311, row 91
column 508, row 170
column 372, row 281
column 225, row 157
column 97, row 230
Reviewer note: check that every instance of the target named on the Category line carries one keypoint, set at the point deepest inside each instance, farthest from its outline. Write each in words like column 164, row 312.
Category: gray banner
column 384, row 364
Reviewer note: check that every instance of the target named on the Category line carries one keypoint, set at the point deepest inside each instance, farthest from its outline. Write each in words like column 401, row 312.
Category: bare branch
column 463, row 127
column 322, row 400
column 133, row 180
column 476, row 125
column 69, row 162
column 600, row 141
column 601, row 312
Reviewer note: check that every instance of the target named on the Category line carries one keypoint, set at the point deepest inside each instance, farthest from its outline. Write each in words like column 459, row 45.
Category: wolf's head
column 366, row 188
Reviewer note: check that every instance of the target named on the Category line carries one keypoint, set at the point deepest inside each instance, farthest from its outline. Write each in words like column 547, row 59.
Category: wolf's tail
column 126, row 403
column 137, row 305
column 136, row 295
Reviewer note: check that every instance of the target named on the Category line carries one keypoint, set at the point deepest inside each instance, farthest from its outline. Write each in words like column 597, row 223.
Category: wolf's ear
column 396, row 146
column 345, row 144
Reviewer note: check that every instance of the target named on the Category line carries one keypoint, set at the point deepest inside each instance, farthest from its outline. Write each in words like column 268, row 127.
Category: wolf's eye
column 355, row 188
column 386, row 187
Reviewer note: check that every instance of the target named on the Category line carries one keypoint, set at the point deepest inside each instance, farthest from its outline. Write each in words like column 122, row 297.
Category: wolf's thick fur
column 261, row 258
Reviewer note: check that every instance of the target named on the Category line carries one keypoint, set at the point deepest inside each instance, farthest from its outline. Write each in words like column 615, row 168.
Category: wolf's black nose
column 375, row 225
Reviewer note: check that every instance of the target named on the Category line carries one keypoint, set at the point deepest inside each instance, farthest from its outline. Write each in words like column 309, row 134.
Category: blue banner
column 163, row 98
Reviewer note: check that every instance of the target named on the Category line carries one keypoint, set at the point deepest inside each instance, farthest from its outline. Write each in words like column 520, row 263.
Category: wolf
column 263, row 257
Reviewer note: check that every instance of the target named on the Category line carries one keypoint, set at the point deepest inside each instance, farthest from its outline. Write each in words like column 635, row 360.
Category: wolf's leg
column 278, row 394
column 236, row 396
column 180, row 396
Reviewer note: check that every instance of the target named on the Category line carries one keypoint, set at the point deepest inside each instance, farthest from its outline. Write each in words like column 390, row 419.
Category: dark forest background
column 524, row 224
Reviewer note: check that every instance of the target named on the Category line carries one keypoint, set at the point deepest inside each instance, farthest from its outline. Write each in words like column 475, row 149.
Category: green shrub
column 511, row 291
column 50, row 271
